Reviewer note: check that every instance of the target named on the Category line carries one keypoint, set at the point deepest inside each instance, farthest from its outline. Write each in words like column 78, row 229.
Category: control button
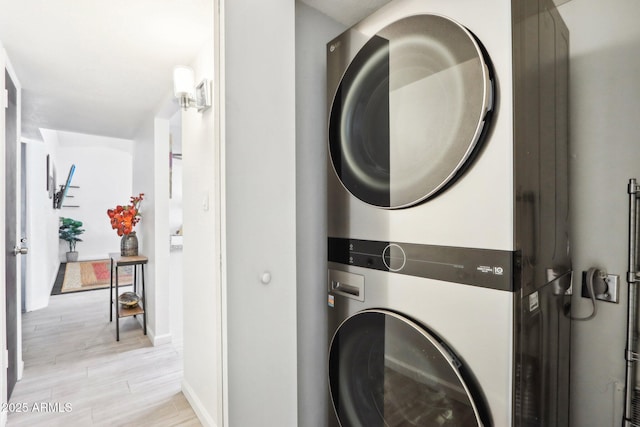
column 394, row 257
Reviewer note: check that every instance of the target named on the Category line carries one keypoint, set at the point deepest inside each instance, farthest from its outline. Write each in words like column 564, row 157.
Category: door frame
column 3, row 314
column 5, row 63
column 16, row 82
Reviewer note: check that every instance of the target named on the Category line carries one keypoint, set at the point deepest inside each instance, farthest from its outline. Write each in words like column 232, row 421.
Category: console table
column 137, row 262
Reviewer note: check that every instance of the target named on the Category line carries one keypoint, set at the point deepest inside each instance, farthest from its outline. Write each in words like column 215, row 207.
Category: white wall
column 151, row 177
column 313, row 30
column 202, row 383
column 104, row 175
column 604, row 112
column 42, row 225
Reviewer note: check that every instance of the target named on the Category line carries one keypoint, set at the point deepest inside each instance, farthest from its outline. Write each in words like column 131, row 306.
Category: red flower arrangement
column 124, row 218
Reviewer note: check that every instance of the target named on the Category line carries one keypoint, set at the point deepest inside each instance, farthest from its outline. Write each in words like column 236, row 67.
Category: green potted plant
column 69, row 231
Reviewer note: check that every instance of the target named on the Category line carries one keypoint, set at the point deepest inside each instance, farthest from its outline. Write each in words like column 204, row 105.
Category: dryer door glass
column 410, row 111
column 385, row 370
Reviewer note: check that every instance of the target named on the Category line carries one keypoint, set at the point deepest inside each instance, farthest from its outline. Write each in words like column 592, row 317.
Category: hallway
column 77, row 374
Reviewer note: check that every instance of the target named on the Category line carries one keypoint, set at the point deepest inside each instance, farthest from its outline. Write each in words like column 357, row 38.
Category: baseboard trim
column 156, row 340
column 20, row 369
column 160, row 339
column 197, row 406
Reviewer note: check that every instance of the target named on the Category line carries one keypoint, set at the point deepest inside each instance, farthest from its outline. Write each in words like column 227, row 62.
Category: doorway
column 11, row 196
column 23, row 224
column 175, row 226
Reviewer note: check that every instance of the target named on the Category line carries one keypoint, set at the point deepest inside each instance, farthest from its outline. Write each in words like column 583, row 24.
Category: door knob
column 266, row 278
column 19, row 250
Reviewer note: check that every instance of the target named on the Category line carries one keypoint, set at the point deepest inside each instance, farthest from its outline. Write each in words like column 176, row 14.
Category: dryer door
column 410, row 110
column 385, row 370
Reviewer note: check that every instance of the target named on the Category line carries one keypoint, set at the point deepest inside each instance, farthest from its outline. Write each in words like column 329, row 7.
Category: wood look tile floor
column 72, row 358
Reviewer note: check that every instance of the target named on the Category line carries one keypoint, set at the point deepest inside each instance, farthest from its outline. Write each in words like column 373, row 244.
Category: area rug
column 89, row 275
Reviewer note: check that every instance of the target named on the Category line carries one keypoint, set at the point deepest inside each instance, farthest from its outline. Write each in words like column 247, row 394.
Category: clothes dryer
column 448, row 250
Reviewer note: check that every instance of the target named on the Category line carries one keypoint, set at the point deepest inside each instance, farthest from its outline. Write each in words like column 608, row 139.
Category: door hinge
column 6, row 98
column 6, row 358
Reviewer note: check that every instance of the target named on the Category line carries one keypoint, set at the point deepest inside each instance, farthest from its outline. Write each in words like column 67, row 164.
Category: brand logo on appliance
column 498, row 271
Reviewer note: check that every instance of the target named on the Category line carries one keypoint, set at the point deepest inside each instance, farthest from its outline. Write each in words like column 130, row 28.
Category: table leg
column 135, row 281
column 144, row 303
column 117, row 309
column 111, row 292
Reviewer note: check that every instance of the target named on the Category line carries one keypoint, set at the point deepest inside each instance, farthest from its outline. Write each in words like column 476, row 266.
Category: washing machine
column 449, row 273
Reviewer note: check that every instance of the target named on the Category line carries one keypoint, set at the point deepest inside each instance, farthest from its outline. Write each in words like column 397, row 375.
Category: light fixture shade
column 183, row 80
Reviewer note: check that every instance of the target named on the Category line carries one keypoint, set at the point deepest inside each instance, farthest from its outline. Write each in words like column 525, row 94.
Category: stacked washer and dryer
column 448, row 250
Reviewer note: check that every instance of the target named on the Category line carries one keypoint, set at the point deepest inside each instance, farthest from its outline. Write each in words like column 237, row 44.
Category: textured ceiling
column 97, row 66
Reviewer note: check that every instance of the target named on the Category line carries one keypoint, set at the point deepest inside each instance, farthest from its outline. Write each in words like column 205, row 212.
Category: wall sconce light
column 198, row 97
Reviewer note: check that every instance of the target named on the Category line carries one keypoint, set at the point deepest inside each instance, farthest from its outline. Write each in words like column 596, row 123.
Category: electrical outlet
column 609, row 287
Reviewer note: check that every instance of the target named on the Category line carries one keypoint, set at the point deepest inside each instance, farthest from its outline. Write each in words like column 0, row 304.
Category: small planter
column 69, row 231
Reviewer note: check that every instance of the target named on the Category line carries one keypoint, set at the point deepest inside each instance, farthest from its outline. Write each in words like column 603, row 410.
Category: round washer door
column 410, row 111
column 385, row 370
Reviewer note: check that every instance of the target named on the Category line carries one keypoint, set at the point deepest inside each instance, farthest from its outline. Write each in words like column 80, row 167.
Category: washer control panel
column 479, row 267
column 394, row 257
